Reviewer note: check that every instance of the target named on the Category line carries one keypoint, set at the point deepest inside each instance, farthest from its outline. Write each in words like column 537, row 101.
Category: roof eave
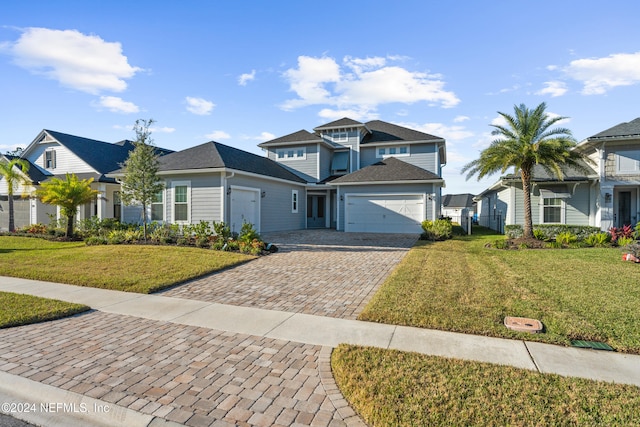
column 407, row 181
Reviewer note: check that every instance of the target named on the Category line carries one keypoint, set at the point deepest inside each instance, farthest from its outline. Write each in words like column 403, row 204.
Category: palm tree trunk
column 69, row 226
column 12, row 222
column 526, row 190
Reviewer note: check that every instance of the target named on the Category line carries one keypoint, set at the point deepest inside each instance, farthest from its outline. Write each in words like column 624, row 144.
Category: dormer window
column 50, row 159
column 284, row 154
column 399, row 151
column 341, row 137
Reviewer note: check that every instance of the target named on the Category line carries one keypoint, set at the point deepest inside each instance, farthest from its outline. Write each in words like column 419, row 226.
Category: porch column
column 605, row 212
column 102, row 201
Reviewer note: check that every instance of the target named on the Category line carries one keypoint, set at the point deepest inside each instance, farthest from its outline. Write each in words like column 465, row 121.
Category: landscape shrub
column 566, row 238
column 625, row 241
column 550, row 231
column 598, row 239
column 625, row 231
column 440, row 229
column 95, row 240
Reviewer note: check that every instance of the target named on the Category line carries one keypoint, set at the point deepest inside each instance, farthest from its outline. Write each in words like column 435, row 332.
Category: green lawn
column 459, row 285
column 393, row 388
column 18, row 309
column 131, row 268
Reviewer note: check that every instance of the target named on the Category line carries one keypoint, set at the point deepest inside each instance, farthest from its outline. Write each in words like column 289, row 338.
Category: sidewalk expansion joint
column 266, row 334
column 533, row 360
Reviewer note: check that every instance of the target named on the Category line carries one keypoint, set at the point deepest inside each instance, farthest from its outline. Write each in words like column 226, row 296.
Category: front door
column 624, row 208
column 316, row 211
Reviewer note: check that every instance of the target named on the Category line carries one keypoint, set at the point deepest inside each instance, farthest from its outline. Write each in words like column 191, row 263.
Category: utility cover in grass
column 591, row 344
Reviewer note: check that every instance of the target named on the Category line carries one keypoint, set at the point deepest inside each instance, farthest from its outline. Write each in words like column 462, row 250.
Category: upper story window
column 340, row 137
column 291, row 154
column 628, row 161
column 50, row 159
column 397, row 151
column 340, row 162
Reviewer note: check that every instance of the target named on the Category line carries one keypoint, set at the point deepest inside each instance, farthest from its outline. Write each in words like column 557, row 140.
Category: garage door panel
column 384, row 214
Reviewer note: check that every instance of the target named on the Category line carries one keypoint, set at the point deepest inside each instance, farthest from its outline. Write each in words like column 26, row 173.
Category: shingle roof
column 457, row 200
column 299, row 136
column 215, row 155
column 387, row 170
column 628, row 129
column 102, row 156
column 387, row 132
column 341, row 123
column 35, row 175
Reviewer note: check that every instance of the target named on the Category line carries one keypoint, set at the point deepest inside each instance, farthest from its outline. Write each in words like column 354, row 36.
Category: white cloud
column 79, row 61
column 553, row 88
column 246, row 77
column 362, row 84
column 450, row 133
column 363, row 114
column 199, row 106
column 460, row 119
column 117, row 105
column 163, row 130
column 218, row 134
column 598, row 75
column 264, row 136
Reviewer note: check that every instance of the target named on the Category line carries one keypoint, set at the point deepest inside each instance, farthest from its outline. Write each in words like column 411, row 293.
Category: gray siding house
column 609, row 196
column 345, row 175
column 54, row 154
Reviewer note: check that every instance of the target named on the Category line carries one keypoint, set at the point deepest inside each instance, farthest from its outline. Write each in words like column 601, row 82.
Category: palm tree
column 526, row 140
column 69, row 194
column 14, row 172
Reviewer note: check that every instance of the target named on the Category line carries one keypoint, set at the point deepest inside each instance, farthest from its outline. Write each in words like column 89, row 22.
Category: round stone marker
column 522, row 324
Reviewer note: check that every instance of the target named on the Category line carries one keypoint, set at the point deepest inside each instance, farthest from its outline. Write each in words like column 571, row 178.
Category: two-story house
column 606, row 197
column 371, row 177
column 54, row 154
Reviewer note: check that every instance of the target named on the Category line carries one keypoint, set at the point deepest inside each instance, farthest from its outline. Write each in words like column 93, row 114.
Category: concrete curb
column 42, row 404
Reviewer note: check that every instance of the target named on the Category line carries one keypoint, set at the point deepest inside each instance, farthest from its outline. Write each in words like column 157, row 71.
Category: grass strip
column 19, row 309
column 393, row 388
column 131, row 268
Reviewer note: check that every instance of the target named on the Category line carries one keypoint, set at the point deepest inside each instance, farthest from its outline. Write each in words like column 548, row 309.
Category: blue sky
column 243, row 72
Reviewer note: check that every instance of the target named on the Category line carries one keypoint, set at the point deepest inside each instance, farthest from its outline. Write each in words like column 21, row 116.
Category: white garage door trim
column 355, row 221
column 236, row 215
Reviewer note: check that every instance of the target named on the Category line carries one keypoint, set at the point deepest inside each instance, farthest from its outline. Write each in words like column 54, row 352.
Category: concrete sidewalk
column 325, row 331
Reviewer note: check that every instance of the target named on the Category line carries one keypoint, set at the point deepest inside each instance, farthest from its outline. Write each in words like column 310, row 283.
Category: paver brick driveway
column 186, row 374
column 320, row 272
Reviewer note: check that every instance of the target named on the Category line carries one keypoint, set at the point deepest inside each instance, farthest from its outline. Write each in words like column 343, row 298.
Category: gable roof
column 458, row 200
column 344, row 122
column 299, row 136
column 387, row 132
column 212, row 155
column 627, row 129
column 389, row 170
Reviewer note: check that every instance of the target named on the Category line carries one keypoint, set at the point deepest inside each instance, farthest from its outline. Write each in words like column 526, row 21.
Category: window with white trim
column 50, row 159
column 181, row 199
column 157, row 206
column 299, row 153
column 294, row 201
column 628, row 161
column 552, row 210
column 397, row 151
column 340, row 137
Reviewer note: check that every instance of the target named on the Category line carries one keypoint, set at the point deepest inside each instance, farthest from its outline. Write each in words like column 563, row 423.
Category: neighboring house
column 454, row 204
column 607, row 197
column 368, row 177
column 53, row 154
column 346, row 175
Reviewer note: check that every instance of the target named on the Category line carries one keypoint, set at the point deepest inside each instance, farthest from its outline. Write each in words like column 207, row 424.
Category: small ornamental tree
column 14, row 173
column 141, row 182
column 69, row 193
